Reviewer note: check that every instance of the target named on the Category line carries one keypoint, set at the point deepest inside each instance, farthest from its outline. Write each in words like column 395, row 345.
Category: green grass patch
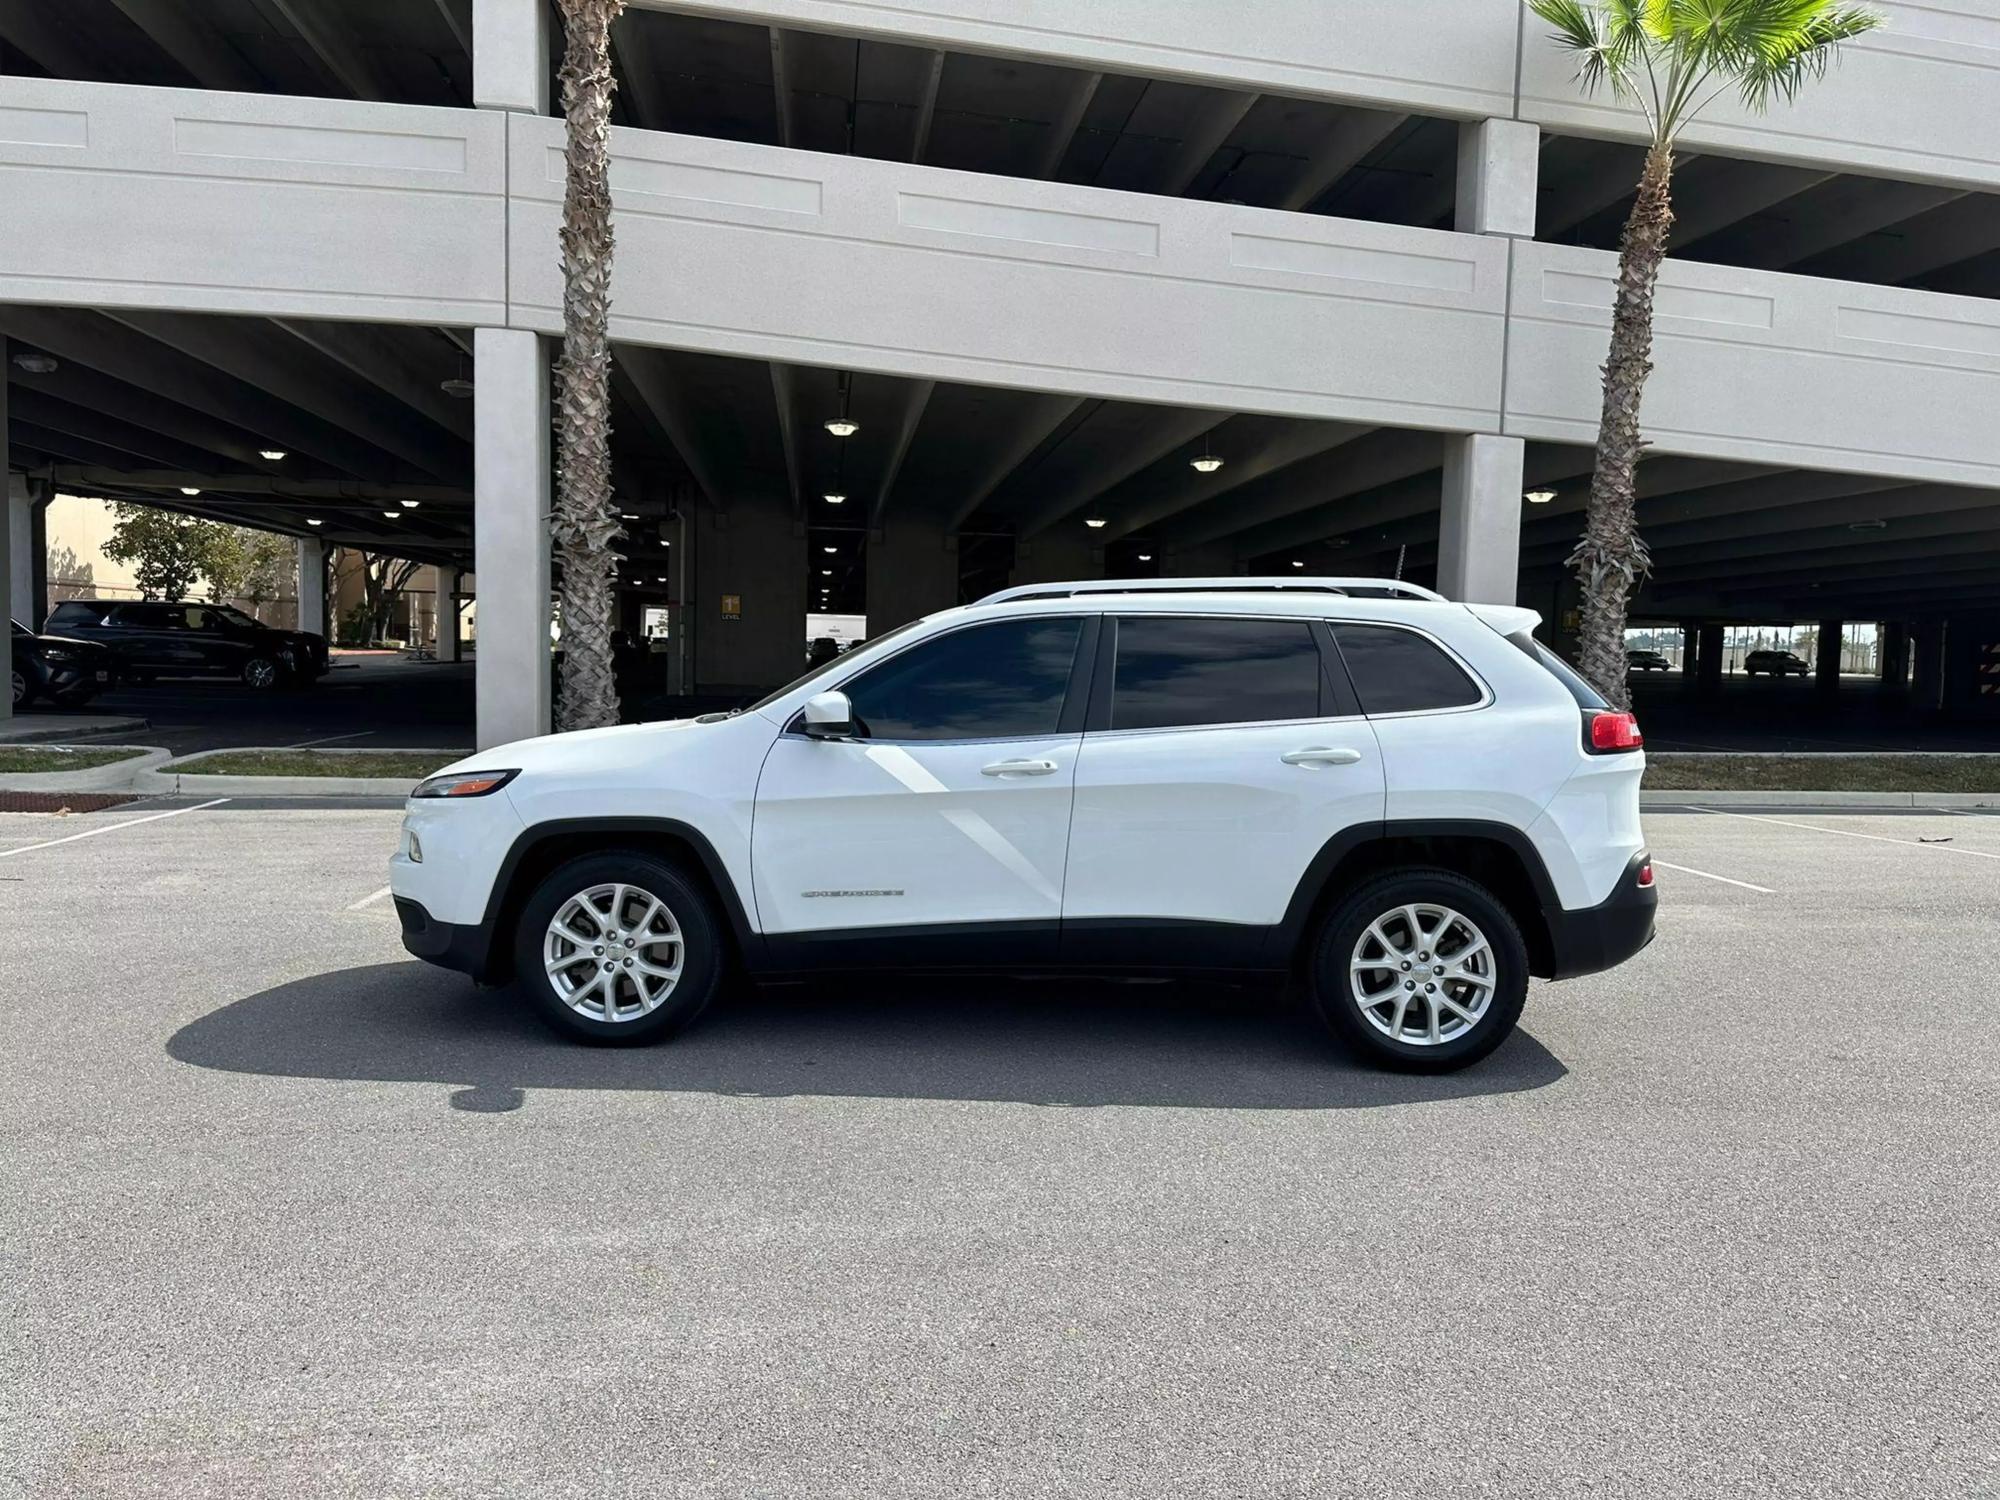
column 405, row 764
column 29, row 759
column 1822, row 773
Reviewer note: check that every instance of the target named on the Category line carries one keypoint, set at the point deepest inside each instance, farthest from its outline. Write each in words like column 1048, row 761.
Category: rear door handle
column 1018, row 768
column 1321, row 755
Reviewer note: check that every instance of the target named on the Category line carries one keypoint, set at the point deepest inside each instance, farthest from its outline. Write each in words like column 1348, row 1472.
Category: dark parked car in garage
column 57, row 668
column 1647, row 661
column 1776, row 664
column 189, row 639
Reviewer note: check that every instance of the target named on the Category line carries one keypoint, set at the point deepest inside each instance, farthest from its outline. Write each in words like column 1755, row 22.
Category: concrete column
column 1690, row 649
column 1498, row 167
column 1708, row 669
column 1895, row 656
column 912, row 572
column 1479, row 523
column 1062, row 555
column 38, row 555
column 1927, row 690
column 21, row 551
column 749, row 599
column 1826, row 657
column 451, row 624
column 510, row 533
column 312, row 586
column 510, row 55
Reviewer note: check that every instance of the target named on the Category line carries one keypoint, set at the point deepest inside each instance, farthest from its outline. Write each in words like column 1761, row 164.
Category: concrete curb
column 1818, row 799
column 64, row 730
column 171, row 778
column 116, row 777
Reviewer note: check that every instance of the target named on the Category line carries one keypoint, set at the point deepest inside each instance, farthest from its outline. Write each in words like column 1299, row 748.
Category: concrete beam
column 358, row 491
column 1149, row 498
column 1944, row 236
column 1062, row 132
column 381, row 358
column 123, row 354
column 781, row 86
column 654, row 382
column 93, row 391
column 45, row 411
column 251, row 352
column 920, row 135
column 31, row 26
column 1732, row 191
column 1356, row 133
column 1848, row 210
column 1045, row 415
column 333, row 45
column 1211, row 123
column 1173, row 429
column 190, row 41
column 1301, row 506
column 461, row 30
column 916, row 398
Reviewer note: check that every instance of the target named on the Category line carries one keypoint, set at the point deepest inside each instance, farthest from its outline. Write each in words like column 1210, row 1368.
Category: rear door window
column 1177, row 671
column 1398, row 671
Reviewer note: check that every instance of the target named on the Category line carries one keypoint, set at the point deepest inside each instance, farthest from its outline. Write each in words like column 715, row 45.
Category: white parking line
column 1705, row 875
column 1848, row 833
column 369, row 900
column 91, row 833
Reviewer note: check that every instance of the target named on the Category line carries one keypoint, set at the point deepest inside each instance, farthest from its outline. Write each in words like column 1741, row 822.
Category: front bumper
column 450, row 945
column 1603, row 936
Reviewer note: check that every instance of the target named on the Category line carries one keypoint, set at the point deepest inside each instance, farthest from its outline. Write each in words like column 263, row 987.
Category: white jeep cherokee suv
column 1408, row 802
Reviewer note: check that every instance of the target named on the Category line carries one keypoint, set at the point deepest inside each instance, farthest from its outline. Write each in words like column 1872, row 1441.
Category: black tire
column 23, row 690
column 1382, row 898
column 263, row 674
column 703, row 955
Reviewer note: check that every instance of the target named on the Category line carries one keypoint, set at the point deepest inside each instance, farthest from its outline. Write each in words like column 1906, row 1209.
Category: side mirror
column 829, row 716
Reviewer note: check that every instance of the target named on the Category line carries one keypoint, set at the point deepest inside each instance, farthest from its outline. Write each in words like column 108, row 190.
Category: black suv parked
column 193, row 640
column 57, row 668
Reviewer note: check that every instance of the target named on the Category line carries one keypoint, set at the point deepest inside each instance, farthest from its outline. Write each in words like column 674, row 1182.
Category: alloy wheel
column 613, row 952
column 1423, row 974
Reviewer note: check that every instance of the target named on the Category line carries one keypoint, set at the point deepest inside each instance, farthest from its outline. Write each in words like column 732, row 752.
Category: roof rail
column 1394, row 587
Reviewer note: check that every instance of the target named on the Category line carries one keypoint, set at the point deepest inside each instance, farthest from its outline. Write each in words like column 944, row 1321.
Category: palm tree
column 586, row 522
column 1669, row 59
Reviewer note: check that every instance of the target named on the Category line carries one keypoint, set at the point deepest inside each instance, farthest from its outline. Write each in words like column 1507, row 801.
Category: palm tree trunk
column 1611, row 559
column 586, row 521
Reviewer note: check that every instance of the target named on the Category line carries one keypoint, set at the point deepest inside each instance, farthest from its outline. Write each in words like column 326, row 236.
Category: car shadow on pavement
column 1050, row 1042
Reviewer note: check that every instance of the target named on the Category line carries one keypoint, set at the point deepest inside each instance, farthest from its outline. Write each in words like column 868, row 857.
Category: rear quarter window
column 1397, row 671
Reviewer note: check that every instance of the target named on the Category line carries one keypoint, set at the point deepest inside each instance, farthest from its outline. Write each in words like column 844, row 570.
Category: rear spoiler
column 1508, row 619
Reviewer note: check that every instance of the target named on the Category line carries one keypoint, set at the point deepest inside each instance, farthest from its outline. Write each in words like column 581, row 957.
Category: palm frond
column 1603, row 37
column 1786, row 63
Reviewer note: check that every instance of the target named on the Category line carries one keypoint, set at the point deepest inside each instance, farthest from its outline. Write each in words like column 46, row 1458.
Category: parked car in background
column 1410, row 804
column 188, row 639
column 57, row 668
column 1647, row 661
column 1776, row 664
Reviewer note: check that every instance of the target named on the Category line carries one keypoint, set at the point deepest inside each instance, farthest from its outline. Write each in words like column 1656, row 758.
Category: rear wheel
column 619, row 947
column 1421, row 970
column 24, row 690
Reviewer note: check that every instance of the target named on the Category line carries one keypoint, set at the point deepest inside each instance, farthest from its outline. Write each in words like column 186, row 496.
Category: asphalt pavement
column 290, row 1215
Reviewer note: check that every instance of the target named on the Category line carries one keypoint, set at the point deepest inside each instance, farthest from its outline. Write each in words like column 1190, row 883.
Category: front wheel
column 619, row 947
column 1420, row 970
column 262, row 674
column 24, row 690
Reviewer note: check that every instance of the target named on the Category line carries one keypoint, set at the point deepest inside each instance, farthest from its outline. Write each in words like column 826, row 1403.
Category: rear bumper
column 1603, row 936
column 450, row 945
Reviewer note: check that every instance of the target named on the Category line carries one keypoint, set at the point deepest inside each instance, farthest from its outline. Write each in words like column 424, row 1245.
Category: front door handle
column 1321, row 755
column 1018, row 768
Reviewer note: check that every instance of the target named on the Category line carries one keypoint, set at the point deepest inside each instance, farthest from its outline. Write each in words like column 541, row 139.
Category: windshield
column 834, row 664
column 19, row 628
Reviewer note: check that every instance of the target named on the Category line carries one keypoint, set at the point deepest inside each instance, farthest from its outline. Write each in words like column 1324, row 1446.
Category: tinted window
column 1399, row 672
column 988, row 682
column 1217, row 671
column 74, row 613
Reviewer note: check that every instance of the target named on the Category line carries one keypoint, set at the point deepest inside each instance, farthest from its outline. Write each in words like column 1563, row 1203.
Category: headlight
column 58, row 656
column 464, row 784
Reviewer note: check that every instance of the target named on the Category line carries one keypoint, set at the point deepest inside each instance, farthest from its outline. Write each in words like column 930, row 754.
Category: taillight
column 1645, row 873
column 1611, row 731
